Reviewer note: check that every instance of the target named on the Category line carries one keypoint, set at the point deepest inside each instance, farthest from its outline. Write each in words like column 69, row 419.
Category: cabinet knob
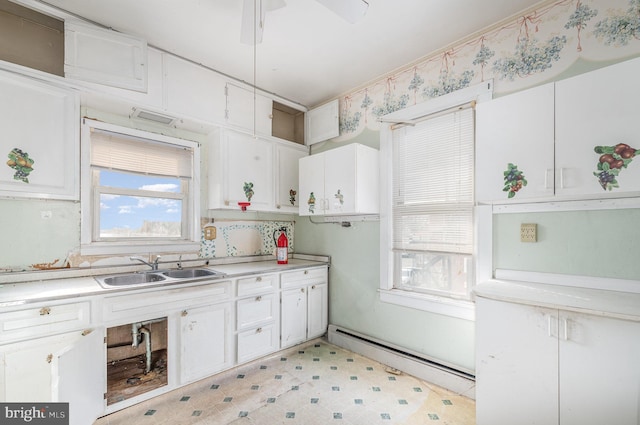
column 301, row 289
column 259, row 330
column 45, row 310
column 306, row 272
column 259, row 279
column 184, row 313
column 49, row 358
column 259, row 298
column 313, row 287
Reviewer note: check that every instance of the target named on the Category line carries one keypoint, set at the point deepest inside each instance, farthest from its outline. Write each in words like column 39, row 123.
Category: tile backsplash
column 240, row 238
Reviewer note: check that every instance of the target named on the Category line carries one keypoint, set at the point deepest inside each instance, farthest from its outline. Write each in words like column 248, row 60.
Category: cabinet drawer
column 44, row 320
column 164, row 301
column 255, row 310
column 257, row 284
column 303, row 277
column 257, row 342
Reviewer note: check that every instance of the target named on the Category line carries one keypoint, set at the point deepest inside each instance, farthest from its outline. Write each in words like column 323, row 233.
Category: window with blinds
column 432, row 204
column 140, row 188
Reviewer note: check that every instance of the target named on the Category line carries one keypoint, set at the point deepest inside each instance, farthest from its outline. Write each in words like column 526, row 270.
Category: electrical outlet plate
column 209, row 233
column 528, row 232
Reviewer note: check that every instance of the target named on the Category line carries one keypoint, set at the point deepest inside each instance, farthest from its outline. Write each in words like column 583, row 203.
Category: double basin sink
column 151, row 277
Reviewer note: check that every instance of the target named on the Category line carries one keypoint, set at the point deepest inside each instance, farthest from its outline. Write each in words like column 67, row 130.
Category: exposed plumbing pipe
column 147, row 342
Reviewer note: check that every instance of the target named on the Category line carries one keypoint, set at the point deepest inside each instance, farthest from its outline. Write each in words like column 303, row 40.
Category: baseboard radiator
column 460, row 382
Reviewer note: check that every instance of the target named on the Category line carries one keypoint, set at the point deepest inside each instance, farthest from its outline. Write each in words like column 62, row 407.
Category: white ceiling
column 309, row 54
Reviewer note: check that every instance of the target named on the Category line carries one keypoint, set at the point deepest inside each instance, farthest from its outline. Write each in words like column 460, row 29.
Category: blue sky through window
column 130, row 212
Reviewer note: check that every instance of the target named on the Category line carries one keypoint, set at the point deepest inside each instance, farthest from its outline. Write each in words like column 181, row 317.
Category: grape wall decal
column 513, row 180
column 21, row 163
column 612, row 160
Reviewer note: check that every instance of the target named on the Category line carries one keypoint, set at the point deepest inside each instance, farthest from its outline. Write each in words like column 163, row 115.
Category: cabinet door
column 516, row 364
column 340, row 179
column 66, row 368
column 318, row 310
column 312, row 197
column 41, row 135
column 205, row 347
column 242, row 104
column 79, row 377
column 104, row 56
column 596, row 115
column 293, row 317
column 248, row 170
column 193, row 91
column 287, row 177
column 515, row 146
column 599, row 373
column 322, row 123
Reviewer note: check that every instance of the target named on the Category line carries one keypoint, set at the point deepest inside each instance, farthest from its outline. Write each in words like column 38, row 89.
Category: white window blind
column 121, row 152
column 433, row 184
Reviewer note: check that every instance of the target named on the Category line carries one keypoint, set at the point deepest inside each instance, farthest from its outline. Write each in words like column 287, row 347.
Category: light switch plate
column 528, row 232
column 209, row 233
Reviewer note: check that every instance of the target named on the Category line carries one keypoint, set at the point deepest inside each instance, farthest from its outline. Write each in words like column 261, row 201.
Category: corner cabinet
column 304, row 310
column 570, row 367
column 340, row 181
column 262, row 173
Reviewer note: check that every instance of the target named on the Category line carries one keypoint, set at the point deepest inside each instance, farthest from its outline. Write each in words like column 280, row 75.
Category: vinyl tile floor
column 312, row 384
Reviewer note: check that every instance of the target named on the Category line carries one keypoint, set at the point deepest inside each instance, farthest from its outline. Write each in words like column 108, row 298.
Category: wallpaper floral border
column 534, row 48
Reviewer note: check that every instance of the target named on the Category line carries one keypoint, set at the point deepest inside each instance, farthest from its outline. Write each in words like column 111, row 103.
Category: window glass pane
column 138, row 181
column 139, row 217
column 448, row 274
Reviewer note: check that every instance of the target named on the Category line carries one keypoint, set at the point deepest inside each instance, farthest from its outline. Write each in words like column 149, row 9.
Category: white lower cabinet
column 304, row 312
column 205, row 341
column 546, row 366
column 61, row 368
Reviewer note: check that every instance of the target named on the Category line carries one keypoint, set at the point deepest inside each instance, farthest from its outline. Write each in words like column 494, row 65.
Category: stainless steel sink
column 132, row 279
column 155, row 277
column 189, row 273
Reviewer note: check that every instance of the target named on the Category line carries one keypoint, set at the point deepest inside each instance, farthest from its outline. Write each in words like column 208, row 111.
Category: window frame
column 90, row 201
column 463, row 309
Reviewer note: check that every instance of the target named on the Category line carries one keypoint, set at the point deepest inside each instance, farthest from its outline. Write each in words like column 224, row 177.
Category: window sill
column 440, row 305
column 110, row 248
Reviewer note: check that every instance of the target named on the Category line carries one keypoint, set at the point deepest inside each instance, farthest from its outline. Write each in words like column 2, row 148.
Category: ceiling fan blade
column 253, row 20
column 349, row 10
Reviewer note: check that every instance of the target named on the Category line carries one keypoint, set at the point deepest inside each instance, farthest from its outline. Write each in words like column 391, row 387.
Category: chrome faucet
column 154, row 265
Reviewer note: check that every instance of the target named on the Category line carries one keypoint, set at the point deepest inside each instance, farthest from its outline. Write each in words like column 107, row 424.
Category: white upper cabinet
column 106, row 57
column 322, row 123
column 286, row 172
column 41, row 137
column 240, row 171
column 573, row 139
column 598, row 132
column 514, row 146
column 193, row 91
column 340, row 181
column 242, row 104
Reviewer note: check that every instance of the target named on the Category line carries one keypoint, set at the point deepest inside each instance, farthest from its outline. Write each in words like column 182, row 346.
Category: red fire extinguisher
column 282, row 245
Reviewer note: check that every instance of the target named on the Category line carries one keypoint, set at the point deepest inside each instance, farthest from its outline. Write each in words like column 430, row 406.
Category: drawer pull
column 259, row 279
column 313, row 287
column 45, row 310
column 259, row 330
column 184, row 313
column 306, row 272
column 259, row 298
